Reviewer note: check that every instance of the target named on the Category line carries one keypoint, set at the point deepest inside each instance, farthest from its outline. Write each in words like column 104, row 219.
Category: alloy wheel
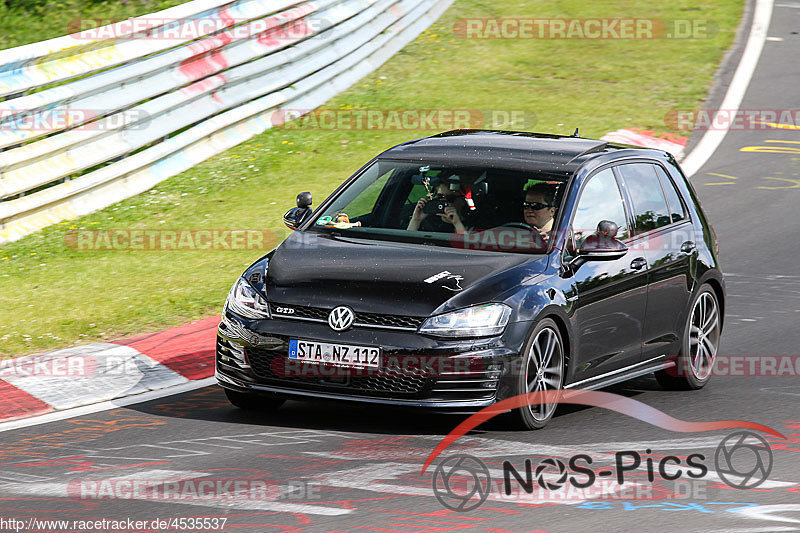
column 544, row 370
column 704, row 335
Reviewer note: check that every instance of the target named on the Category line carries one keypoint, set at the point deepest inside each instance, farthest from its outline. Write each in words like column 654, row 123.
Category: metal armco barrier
column 90, row 119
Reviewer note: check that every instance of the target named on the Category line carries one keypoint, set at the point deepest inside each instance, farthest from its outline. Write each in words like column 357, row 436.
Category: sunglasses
column 534, row 205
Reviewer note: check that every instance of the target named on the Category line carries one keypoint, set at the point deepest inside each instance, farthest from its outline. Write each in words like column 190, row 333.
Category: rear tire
column 701, row 337
column 253, row 402
column 542, row 368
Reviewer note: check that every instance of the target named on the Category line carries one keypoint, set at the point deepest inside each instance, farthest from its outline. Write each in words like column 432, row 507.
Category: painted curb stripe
column 187, row 350
column 162, row 360
column 18, row 403
column 646, row 140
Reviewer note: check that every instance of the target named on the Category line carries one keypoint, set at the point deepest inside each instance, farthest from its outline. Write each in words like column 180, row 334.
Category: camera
column 435, row 205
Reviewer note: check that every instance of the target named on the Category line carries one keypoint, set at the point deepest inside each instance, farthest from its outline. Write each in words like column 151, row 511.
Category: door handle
column 688, row 247
column 638, row 263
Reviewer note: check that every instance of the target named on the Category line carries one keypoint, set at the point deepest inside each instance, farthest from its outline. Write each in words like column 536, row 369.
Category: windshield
column 469, row 207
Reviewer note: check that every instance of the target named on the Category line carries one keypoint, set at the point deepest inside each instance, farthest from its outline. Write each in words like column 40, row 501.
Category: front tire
column 543, row 363
column 700, row 344
column 253, row 402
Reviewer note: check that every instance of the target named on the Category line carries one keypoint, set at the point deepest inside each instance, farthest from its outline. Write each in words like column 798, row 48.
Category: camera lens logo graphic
column 461, row 483
column 742, row 464
column 561, row 476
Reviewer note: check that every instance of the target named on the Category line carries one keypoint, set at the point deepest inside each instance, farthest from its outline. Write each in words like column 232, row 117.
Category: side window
column 676, row 208
column 364, row 203
column 649, row 205
column 600, row 200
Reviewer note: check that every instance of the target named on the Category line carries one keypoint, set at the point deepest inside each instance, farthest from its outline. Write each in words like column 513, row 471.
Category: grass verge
column 26, row 21
column 52, row 296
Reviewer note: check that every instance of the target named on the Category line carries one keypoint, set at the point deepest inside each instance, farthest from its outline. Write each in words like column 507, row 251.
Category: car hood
column 371, row 276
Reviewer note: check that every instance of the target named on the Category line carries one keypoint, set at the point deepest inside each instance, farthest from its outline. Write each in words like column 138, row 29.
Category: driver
column 449, row 221
column 538, row 209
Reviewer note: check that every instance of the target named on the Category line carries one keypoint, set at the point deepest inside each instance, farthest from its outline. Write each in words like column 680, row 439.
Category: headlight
column 245, row 301
column 480, row 321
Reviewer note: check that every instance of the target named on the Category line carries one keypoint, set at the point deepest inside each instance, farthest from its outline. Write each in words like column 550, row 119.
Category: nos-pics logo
column 743, row 460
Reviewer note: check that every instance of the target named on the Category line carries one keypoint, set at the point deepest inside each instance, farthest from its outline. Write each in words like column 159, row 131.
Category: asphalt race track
column 336, row 466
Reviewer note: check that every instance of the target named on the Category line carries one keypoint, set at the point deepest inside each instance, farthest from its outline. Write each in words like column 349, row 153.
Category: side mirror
column 297, row 215
column 601, row 246
column 304, row 199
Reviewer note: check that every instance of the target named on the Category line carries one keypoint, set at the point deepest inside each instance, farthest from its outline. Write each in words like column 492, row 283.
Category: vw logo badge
column 341, row 318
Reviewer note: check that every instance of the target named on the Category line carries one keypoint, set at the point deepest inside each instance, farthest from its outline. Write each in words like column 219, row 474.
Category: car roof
column 558, row 155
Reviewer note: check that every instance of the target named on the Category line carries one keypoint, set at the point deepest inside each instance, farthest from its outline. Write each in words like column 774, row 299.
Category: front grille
column 395, row 321
column 275, row 367
column 319, row 314
column 302, row 311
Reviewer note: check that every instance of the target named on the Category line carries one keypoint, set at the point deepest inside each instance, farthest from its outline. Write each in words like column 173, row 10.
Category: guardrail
column 98, row 116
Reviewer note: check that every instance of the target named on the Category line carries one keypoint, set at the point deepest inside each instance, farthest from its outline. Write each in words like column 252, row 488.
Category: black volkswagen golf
column 465, row 268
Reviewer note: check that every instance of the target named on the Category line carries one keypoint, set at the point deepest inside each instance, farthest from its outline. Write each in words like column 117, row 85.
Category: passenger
column 448, row 222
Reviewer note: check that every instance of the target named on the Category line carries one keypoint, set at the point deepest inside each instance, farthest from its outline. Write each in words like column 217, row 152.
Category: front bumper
column 416, row 370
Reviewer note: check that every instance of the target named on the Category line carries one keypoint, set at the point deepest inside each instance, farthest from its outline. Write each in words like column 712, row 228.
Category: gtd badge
column 341, row 318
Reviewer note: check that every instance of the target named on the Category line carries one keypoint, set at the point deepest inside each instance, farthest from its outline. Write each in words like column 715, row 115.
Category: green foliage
column 29, row 21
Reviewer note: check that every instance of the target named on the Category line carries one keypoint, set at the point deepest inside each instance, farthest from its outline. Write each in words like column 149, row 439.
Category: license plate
column 335, row 354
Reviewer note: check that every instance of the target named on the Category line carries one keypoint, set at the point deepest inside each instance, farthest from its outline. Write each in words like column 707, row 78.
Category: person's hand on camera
column 450, row 216
column 419, row 215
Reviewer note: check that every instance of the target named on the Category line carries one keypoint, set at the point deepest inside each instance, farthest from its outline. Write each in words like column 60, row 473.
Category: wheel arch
column 719, row 290
column 556, row 314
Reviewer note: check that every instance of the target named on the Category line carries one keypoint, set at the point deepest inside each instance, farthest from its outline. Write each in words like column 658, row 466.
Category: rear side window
column 676, row 209
column 600, row 200
column 649, row 205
